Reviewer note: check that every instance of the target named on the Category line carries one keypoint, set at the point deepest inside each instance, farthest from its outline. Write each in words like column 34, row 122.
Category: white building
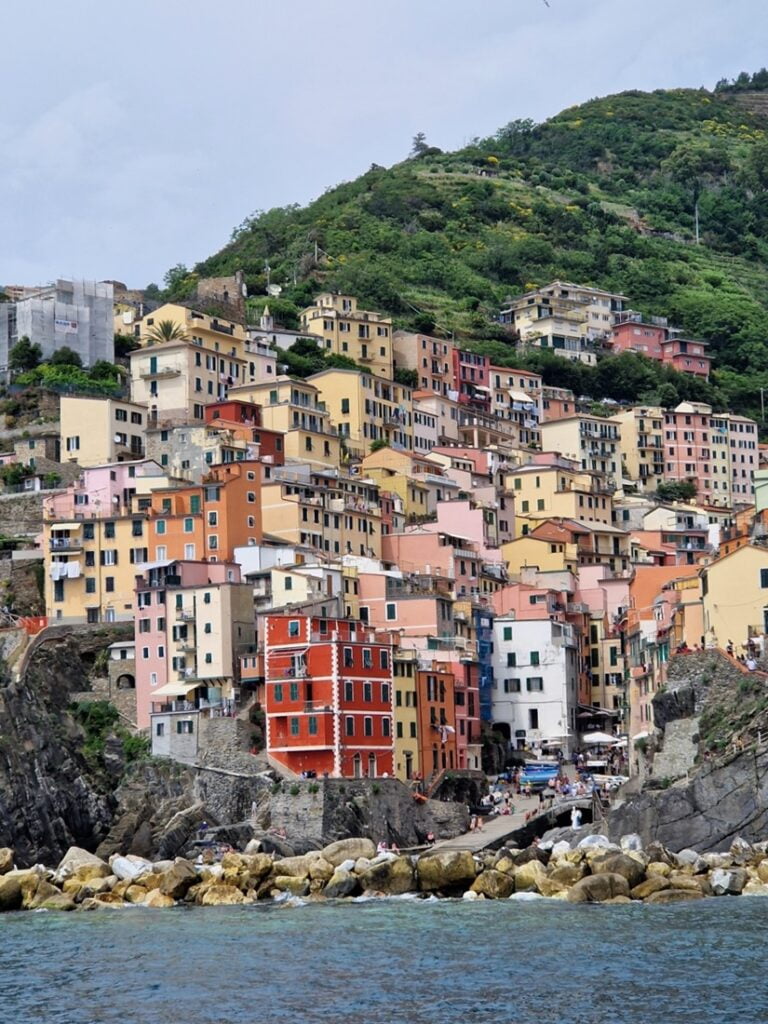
column 535, row 681
column 69, row 314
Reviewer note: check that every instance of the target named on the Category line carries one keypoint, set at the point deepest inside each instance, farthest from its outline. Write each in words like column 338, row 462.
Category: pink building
column 686, row 356
column 636, row 336
column 154, row 621
column 104, row 491
column 688, row 449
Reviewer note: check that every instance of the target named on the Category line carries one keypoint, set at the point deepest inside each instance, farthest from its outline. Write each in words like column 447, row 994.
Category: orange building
column 328, row 696
column 207, row 521
column 436, row 717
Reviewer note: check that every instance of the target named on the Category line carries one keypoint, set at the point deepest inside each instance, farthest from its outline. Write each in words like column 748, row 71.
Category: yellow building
column 177, row 379
column 735, row 596
column 348, row 331
column 593, row 441
column 95, row 431
column 292, row 407
column 642, row 446
column 209, row 332
column 95, row 534
column 322, row 509
column 418, row 481
column 404, row 667
column 544, row 555
column 364, row 409
column 559, row 491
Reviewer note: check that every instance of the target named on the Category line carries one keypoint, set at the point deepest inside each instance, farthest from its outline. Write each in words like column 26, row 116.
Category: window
column 367, row 692
column 349, row 659
column 385, row 727
column 189, row 525
column 383, row 659
column 294, row 727
column 312, row 725
column 160, row 729
column 367, row 726
column 278, row 693
column 367, row 658
column 764, row 578
column 213, row 542
column 534, row 657
column 349, row 726
column 137, row 528
column 213, row 518
column 349, row 690
column 185, row 728
column 294, row 627
column 294, row 691
column 412, row 730
column 145, row 653
column 90, row 585
column 109, row 557
column 109, row 531
column 507, row 632
column 399, row 727
column 511, row 659
column 208, row 658
column 385, row 693
column 391, row 611
column 534, row 684
column 511, row 686
column 160, row 526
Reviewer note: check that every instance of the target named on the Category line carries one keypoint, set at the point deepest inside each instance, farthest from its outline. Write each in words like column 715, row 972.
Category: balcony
column 161, row 374
column 182, row 615
column 577, row 608
column 66, row 544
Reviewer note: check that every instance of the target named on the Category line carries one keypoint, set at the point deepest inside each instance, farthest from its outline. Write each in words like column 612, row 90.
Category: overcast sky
column 134, row 136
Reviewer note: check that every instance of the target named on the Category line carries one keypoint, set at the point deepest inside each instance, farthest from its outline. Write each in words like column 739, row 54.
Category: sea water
column 390, row 961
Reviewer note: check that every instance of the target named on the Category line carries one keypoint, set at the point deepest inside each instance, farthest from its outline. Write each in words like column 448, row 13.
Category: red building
column 328, row 696
column 686, row 356
column 244, row 420
column 636, row 336
column 471, row 376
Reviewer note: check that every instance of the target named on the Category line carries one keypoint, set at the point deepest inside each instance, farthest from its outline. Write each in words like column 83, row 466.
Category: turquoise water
column 386, row 962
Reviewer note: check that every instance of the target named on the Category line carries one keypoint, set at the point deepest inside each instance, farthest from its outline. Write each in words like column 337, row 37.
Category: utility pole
column 762, row 405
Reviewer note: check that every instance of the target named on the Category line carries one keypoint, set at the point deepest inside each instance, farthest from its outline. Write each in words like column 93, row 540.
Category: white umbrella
column 621, row 743
column 595, row 738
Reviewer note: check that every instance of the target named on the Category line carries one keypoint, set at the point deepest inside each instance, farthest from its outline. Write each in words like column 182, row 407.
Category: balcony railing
column 66, row 543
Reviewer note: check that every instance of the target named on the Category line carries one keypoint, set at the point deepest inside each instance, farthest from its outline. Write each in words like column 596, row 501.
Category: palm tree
column 166, row 330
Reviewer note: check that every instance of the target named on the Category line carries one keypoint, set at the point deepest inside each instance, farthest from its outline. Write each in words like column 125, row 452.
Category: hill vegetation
column 606, row 193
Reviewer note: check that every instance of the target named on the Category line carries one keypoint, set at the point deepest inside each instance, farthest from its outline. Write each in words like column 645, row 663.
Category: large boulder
column 674, row 896
column 178, row 879
column 450, row 869
column 348, row 849
column 691, row 859
column 343, row 883
column 58, row 901
column 6, row 859
column 259, row 865
column 10, row 893
column 294, row 884
column 86, row 865
column 393, row 877
column 726, row 882
column 321, row 870
column 222, row 896
column 762, row 871
column 297, row 866
column 528, row 876
column 43, row 891
column 158, row 899
column 659, row 867
column 619, row 864
column 129, row 868
column 493, row 884
column 598, row 888
column 566, row 873
column 696, row 883
column 656, row 883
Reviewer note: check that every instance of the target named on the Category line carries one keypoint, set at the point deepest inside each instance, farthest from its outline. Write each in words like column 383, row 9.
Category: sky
column 135, row 136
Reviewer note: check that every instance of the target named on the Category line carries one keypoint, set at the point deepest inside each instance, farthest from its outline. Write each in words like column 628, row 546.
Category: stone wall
column 679, row 750
column 124, row 700
column 21, row 515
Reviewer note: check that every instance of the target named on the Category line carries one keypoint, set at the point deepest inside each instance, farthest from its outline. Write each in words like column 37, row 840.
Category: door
column 371, row 766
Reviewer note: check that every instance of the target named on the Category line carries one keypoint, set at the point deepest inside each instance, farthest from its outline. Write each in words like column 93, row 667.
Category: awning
column 177, row 689
column 520, row 396
column 641, row 736
column 66, row 526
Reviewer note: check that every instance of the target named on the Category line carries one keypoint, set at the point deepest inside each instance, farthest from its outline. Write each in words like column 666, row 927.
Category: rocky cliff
column 51, row 796
column 708, row 774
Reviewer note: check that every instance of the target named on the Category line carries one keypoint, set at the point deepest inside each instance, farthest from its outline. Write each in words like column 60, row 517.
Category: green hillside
column 603, row 194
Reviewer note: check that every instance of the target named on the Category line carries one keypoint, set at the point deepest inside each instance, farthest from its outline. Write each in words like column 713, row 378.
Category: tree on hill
column 65, row 356
column 24, row 355
column 419, row 145
column 676, row 490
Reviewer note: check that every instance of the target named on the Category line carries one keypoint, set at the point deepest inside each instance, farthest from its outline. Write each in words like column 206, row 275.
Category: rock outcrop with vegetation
column 604, row 193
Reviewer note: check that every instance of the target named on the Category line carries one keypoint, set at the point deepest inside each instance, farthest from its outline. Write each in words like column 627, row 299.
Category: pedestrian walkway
column 501, row 827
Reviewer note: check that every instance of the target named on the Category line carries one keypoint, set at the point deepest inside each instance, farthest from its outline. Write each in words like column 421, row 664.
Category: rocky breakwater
column 593, row 871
